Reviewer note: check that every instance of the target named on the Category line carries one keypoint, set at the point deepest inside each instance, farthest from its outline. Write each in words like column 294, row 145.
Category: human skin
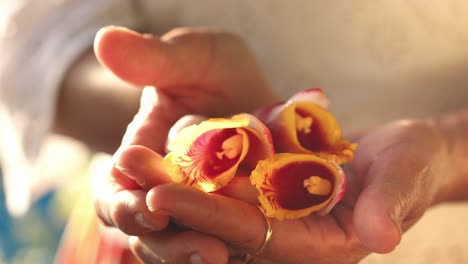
column 195, row 72
column 89, row 95
column 392, row 182
column 400, row 169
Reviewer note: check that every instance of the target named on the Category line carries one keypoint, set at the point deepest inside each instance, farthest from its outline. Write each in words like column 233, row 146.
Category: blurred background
column 35, row 236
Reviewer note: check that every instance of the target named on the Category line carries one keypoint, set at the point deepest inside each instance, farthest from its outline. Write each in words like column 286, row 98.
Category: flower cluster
column 292, row 151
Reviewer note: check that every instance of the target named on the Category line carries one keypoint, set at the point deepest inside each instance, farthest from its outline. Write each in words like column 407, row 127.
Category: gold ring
column 249, row 258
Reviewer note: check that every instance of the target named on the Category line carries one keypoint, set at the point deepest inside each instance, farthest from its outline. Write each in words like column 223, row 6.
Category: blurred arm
column 93, row 105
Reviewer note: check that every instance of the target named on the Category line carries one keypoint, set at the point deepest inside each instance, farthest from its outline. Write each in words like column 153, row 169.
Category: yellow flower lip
column 296, row 185
column 207, row 156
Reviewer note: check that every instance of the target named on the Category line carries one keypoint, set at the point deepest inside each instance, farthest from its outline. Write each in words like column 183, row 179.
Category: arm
column 454, row 128
column 93, row 105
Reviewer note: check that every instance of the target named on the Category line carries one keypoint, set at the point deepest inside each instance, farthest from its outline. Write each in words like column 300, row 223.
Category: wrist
column 453, row 129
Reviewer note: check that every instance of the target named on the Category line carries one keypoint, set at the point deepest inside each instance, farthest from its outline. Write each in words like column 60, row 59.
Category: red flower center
column 288, row 182
column 309, row 132
column 221, row 152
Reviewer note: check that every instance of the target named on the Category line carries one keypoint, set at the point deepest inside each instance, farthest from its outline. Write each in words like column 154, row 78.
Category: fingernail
column 131, row 174
column 159, row 211
column 140, row 220
column 152, row 204
column 196, row 259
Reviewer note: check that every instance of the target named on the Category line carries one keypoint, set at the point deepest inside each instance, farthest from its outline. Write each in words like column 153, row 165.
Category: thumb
column 146, row 60
column 376, row 222
column 394, row 196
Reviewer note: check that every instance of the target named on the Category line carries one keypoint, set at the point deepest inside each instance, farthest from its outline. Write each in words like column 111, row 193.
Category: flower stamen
column 317, row 185
column 231, row 148
column 303, row 124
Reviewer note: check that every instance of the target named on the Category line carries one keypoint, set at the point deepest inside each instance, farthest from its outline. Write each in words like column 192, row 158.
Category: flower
column 303, row 125
column 207, row 156
column 305, row 177
column 296, row 185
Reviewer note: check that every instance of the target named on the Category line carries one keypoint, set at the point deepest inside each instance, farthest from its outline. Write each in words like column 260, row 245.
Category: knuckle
column 250, row 243
column 422, row 131
column 143, row 253
column 215, row 211
column 122, row 214
column 100, row 212
column 253, row 238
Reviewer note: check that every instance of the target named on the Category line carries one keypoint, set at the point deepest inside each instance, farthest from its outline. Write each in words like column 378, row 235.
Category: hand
column 196, row 71
column 399, row 171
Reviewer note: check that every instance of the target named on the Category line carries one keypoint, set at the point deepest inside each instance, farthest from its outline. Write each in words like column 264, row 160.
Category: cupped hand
column 186, row 71
column 399, row 171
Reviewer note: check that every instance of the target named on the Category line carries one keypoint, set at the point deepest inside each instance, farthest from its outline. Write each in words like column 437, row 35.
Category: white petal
column 314, row 95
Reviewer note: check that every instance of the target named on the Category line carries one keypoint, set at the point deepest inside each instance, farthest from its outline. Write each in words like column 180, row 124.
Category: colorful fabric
column 34, row 237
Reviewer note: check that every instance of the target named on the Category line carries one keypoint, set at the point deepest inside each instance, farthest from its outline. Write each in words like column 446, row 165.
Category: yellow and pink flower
column 305, row 177
column 303, row 125
column 296, row 185
column 208, row 155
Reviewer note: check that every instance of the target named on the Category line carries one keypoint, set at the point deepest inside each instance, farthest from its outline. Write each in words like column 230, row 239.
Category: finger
column 118, row 200
column 173, row 246
column 236, row 261
column 388, row 200
column 375, row 227
column 240, row 188
column 240, row 224
column 123, row 207
column 127, row 211
column 143, row 165
column 397, row 185
column 143, row 59
column 121, row 182
column 151, row 124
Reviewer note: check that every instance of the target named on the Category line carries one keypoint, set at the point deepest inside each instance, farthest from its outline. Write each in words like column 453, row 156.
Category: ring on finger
column 249, row 258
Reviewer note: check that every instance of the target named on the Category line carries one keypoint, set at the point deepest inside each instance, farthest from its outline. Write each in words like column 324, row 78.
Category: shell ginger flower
column 296, row 185
column 208, row 155
column 303, row 125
